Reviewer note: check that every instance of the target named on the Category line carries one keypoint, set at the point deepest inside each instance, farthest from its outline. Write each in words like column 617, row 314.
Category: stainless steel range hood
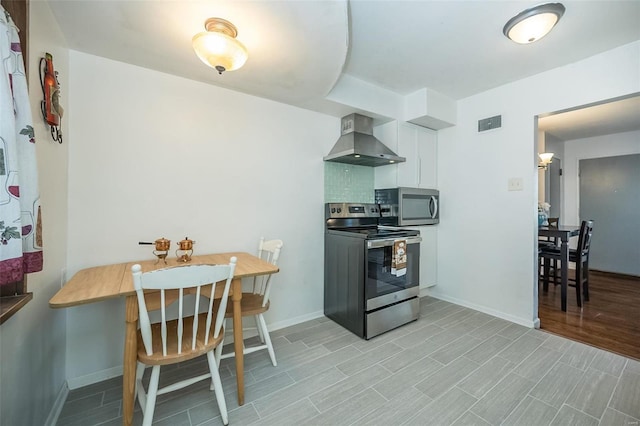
column 358, row 146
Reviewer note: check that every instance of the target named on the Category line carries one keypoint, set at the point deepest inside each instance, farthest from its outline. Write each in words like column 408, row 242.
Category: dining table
column 563, row 233
column 106, row 282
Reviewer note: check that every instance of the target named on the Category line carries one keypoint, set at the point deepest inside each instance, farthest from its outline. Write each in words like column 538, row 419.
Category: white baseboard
column 110, row 373
column 98, row 376
column 52, row 418
column 293, row 321
column 484, row 309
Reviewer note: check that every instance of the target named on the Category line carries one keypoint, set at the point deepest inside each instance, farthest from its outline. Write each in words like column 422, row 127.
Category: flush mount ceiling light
column 218, row 47
column 532, row 24
column 545, row 160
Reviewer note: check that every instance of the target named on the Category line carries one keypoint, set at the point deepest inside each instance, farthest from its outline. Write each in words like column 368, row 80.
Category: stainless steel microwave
column 408, row 206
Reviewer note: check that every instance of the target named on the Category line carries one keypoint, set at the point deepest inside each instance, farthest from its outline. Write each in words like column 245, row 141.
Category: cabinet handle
column 419, row 170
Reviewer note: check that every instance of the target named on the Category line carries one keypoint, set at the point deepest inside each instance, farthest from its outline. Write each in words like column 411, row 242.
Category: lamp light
column 532, row 24
column 218, row 46
column 545, row 160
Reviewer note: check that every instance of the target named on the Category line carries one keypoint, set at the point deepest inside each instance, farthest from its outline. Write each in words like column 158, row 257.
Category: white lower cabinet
column 428, row 256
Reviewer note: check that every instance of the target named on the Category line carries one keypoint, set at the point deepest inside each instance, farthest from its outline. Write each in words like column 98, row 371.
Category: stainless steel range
column 365, row 290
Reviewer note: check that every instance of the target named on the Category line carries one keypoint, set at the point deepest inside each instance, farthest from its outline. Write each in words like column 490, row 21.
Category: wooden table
column 563, row 232
column 112, row 281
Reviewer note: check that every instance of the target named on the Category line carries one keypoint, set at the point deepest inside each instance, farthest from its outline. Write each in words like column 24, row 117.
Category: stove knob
column 339, row 209
column 333, row 209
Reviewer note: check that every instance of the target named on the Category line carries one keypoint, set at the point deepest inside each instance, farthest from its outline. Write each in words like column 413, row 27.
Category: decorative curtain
column 20, row 221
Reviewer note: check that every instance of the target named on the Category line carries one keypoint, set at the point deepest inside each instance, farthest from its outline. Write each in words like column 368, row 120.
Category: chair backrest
column 584, row 239
column 270, row 252
column 553, row 223
column 189, row 279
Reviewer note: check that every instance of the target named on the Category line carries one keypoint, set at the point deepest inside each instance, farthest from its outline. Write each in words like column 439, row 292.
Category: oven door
column 384, row 288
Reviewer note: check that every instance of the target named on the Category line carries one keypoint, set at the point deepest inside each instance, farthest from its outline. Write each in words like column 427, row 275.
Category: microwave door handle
column 433, row 207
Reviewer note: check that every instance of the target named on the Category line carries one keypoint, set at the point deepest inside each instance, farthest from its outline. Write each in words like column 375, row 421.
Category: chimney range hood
column 358, row 146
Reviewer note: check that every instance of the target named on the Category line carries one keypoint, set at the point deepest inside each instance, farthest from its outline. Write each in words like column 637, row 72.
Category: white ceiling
column 617, row 116
column 299, row 49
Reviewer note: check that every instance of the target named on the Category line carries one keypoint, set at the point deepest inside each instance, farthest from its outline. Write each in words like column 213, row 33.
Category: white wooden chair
column 257, row 303
column 190, row 335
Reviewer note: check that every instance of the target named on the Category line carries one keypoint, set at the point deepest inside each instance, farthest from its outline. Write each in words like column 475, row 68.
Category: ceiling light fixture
column 545, row 160
column 532, row 24
column 218, row 47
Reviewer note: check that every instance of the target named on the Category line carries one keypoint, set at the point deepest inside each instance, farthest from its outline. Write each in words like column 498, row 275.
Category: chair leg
column 151, row 396
column 586, row 281
column 267, row 339
column 545, row 274
column 217, row 386
column 578, row 283
column 139, row 389
column 260, row 333
column 556, row 277
column 218, row 353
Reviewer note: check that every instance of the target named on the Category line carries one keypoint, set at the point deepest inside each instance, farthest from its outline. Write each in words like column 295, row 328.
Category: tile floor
column 454, row 366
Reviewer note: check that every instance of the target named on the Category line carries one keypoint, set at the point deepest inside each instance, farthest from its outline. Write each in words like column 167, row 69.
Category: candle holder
column 162, row 249
column 185, row 250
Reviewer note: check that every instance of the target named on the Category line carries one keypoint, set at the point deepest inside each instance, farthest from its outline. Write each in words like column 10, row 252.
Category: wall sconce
column 218, row 47
column 545, row 160
column 532, row 24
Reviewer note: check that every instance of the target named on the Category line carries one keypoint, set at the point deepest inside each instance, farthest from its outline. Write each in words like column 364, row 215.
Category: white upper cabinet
column 418, row 145
column 409, row 171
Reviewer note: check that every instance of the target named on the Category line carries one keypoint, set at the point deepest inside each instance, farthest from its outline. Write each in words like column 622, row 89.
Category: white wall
column 32, row 342
column 486, row 244
column 596, row 147
column 154, row 155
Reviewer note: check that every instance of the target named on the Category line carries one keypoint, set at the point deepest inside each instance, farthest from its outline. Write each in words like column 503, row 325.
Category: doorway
column 582, row 139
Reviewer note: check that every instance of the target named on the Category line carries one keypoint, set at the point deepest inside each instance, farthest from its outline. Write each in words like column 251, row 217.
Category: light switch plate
column 515, row 184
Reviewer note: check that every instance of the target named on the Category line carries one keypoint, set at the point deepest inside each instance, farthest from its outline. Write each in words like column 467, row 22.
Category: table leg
column 237, row 338
column 564, row 252
column 130, row 358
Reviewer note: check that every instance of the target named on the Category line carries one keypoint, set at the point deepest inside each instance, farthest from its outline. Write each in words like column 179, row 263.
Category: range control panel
column 350, row 210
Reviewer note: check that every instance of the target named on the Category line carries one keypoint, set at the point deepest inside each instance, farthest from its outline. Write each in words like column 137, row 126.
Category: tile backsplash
column 348, row 183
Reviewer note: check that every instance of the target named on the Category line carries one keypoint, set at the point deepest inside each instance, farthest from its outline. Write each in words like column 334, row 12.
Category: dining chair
column 549, row 242
column 256, row 303
column 197, row 330
column 579, row 255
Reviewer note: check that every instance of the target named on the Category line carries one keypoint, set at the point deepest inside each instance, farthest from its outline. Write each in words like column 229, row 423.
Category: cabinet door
column 428, row 256
column 387, row 176
column 408, row 148
column 427, row 158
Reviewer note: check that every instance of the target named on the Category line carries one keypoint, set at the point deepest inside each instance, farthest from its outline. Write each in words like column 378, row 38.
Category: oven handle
column 389, row 242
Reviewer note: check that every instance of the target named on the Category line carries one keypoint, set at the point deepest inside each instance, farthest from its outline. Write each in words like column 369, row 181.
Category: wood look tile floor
column 454, row 366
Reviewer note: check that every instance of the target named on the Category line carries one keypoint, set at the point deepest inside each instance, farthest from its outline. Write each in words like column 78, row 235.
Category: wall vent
column 490, row 123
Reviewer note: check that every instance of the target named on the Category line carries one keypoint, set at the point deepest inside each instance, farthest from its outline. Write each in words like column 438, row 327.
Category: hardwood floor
column 609, row 320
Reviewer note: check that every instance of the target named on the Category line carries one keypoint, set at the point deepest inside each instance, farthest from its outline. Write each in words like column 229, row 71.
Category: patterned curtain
column 20, row 221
